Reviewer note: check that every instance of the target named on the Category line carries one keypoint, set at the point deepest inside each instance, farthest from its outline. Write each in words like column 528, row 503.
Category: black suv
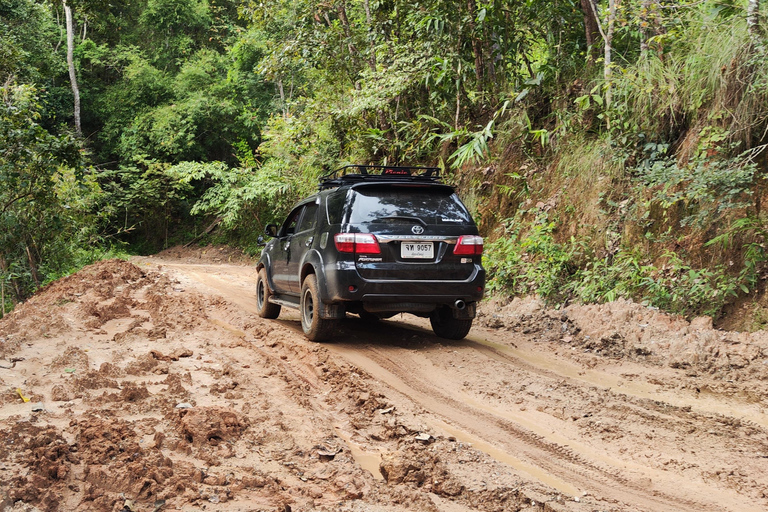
column 375, row 241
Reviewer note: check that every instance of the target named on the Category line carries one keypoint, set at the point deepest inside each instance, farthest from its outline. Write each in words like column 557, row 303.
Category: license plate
column 422, row 250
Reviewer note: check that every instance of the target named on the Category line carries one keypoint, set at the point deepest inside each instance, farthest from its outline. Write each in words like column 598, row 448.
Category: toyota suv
column 375, row 241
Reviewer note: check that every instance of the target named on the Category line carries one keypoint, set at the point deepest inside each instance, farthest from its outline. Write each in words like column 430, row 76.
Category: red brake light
column 345, row 242
column 359, row 243
column 365, row 243
column 469, row 245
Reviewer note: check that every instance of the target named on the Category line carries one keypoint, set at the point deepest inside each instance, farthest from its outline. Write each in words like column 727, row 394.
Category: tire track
column 552, row 459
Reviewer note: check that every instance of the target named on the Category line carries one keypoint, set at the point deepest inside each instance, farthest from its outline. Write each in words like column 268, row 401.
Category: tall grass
column 709, row 74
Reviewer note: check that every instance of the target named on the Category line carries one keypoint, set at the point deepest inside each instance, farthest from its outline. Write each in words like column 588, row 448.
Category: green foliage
column 174, row 29
column 45, row 195
column 676, row 286
column 750, row 234
column 27, row 34
column 473, row 146
column 244, row 199
column 708, row 68
column 141, row 88
column 563, row 272
column 146, row 199
column 707, row 188
column 534, row 262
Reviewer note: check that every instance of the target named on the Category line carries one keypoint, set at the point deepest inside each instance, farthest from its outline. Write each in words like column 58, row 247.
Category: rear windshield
column 392, row 204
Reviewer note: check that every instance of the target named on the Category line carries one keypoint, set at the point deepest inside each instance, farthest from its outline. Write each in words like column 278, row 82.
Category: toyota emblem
column 417, row 230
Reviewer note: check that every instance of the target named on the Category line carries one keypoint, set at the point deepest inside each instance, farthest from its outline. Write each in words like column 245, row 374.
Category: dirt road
column 158, row 388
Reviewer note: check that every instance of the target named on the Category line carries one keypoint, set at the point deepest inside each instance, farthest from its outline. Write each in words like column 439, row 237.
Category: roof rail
column 362, row 173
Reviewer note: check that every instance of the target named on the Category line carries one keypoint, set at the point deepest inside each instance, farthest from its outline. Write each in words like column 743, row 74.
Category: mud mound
column 46, row 459
column 211, row 425
column 73, row 357
column 207, row 254
column 101, row 278
column 624, row 329
column 101, row 440
column 112, row 295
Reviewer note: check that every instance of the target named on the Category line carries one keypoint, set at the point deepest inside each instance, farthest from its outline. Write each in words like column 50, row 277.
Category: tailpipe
column 459, row 304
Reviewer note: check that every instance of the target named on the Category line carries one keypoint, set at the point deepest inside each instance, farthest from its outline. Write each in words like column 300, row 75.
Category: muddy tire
column 264, row 308
column 315, row 328
column 445, row 326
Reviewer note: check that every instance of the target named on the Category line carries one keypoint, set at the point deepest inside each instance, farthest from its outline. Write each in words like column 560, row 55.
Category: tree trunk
column 341, row 10
column 283, row 104
column 645, row 7
column 591, row 29
column 33, row 267
column 753, row 22
column 651, row 24
column 71, row 65
column 607, row 67
column 371, row 42
column 477, row 48
column 3, row 267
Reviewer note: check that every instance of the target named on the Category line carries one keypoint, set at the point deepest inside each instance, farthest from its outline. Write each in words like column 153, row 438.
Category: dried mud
column 153, row 385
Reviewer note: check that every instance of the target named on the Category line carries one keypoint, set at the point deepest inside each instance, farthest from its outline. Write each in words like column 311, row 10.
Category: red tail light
column 358, row 243
column 469, row 245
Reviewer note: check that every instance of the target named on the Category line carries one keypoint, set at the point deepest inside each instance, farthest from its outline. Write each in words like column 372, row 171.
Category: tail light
column 469, row 245
column 358, row 243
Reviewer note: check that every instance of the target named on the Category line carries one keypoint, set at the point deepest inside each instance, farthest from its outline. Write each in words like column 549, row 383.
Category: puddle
column 369, row 461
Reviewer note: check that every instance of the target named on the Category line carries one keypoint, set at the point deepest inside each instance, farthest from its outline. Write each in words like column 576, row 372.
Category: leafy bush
column 45, row 199
column 533, row 263
column 560, row 273
column 243, row 199
column 676, row 286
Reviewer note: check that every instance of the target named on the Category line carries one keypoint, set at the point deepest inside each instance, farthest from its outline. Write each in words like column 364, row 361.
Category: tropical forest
column 608, row 149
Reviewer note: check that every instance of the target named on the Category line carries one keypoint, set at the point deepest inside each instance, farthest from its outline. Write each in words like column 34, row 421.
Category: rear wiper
column 404, row 217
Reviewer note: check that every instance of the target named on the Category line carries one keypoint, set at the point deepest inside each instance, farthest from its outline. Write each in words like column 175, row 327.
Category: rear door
column 417, row 227
column 281, row 273
column 301, row 242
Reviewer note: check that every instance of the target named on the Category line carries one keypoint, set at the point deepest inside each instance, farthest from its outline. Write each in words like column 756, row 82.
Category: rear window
column 391, row 204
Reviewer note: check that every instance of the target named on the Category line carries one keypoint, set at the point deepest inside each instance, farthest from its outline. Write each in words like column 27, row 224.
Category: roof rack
column 361, row 173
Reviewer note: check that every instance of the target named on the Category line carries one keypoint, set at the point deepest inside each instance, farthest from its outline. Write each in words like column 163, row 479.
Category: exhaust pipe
column 459, row 304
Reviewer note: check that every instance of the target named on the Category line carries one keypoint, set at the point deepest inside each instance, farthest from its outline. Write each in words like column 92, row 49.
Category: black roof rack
column 361, row 173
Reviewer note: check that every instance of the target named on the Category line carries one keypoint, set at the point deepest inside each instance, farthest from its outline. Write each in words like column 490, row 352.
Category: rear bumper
column 344, row 284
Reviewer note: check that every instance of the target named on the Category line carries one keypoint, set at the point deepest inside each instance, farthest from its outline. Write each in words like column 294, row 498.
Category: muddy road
column 153, row 385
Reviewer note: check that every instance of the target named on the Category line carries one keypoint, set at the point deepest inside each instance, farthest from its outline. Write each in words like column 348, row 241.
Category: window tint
column 335, row 207
column 309, row 218
column 401, row 204
column 289, row 226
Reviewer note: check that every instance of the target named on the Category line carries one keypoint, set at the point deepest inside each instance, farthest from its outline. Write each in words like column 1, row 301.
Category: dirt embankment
column 153, row 385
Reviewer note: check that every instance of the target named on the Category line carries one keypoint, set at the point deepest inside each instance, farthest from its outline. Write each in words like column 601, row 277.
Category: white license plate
column 421, row 250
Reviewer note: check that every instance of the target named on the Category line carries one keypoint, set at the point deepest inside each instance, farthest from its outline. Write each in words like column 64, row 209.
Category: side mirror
column 260, row 241
column 271, row 230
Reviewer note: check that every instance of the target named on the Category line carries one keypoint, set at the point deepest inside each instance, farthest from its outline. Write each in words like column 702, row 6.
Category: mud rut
column 603, row 436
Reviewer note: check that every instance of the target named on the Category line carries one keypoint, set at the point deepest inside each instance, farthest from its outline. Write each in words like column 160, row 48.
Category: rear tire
column 446, row 326
column 264, row 308
column 314, row 327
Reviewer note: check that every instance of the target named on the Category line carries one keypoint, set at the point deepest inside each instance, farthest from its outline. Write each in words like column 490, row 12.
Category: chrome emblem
column 417, row 230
